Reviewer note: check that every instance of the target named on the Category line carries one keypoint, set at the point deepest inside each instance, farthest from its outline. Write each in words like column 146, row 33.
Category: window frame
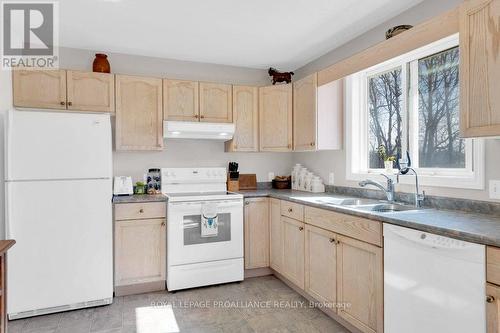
column 357, row 145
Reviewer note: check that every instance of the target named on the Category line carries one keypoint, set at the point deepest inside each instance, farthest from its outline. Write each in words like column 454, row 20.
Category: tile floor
column 262, row 304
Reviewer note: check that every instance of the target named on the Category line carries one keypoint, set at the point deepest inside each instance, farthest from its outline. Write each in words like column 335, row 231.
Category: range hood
column 198, row 130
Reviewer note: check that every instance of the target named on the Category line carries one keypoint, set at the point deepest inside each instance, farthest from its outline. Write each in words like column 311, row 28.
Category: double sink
column 367, row 205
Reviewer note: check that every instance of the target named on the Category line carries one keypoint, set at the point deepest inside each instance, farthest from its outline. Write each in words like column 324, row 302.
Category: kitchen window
column 411, row 103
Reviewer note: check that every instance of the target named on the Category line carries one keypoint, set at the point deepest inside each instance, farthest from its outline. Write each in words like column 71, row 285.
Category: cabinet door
column 216, row 102
column 89, row 91
column 304, row 113
column 246, row 119
column 321, row 265
column 140, row 247
column 39, row 88
column 479, row 68
column 256, row 233
column 360, row 284
column 293, row 240
column 275, row 118
column 139, row 124
column 492, row 308
column 276, row 236
column 180, row 100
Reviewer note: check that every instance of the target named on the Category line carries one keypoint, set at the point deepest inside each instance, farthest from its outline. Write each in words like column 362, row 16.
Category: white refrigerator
column 58, row 191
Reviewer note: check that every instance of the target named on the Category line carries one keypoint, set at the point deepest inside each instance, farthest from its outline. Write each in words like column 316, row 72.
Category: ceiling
column 285, row 34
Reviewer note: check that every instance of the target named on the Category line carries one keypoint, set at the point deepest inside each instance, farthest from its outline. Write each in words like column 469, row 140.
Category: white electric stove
column 204, row 228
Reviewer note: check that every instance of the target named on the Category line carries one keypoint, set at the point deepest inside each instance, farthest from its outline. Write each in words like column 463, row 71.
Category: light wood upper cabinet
column 140, row 248
column 304, row 113
column 479, row 68
column 492, row 308
column 293, row 240
column 360, row 284
column 320, row 265
column 275, row 117
column 39, row 88
column 216, row 102
column 276, row 248
column 89, row 91
column 246, row 119
column 139, row 115
column 180, row 100
column 256, row 233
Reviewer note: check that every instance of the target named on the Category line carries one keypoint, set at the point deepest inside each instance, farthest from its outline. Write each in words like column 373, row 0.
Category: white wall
column 325, row 162
column 181, row 153
column 5, row 104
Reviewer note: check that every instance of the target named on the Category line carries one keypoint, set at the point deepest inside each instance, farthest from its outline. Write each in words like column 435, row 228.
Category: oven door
column 186, row 245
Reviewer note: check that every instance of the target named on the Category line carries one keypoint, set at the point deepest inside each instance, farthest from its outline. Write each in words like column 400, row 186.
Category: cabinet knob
column 202, row 117
column 70, row 103
column 196, row 116
column 63, row 103
column 312, row 144
column 290, row 210
column 289, row 146
column 247, row 202
column 301, row 228
column 141, row 210
column 332, row 240
column 163, row 224
column 490, row 299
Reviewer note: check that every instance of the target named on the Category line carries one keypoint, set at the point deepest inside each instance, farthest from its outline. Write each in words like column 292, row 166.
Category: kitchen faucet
column 389, row 191
column 419, row 198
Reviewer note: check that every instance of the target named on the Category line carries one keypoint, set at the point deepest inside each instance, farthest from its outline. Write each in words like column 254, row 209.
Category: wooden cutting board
column 248, row 181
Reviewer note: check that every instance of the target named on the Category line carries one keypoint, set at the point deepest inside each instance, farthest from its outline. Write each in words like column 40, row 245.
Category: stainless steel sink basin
column 386, row 208
column 357, row 202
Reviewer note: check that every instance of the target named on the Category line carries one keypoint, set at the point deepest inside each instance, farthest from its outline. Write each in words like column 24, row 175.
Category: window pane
column 385, row 106
column 438, row 111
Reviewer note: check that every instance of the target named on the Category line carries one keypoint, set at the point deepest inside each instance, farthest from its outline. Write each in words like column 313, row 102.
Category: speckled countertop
column 118, row 199
column 472, row 227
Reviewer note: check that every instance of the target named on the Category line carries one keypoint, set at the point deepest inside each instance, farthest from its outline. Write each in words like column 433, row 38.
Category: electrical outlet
column 495, row 189
column 331, row 178
column 270, row 176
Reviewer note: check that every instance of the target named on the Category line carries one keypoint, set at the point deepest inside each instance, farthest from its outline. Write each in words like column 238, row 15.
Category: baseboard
column 256, row 272
column 140, row 288
column 327, row 311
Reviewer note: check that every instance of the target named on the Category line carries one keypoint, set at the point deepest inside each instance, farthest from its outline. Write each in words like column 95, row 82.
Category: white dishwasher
column 432, row 283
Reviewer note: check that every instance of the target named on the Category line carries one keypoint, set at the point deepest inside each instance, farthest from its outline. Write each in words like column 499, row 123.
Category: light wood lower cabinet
column 139, row 115
column 360, row 284
column 44, row 89
column 293, row 240
column 275, row 118
column 492, row 308
column 88, row 91
column 246, row 119
column 140, row 252
column 276, row 236
column 256, row 233
column 320, row 265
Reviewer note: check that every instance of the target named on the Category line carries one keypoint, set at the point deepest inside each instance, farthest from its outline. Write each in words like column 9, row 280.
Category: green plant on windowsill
column 140, row 188
column 388, row 159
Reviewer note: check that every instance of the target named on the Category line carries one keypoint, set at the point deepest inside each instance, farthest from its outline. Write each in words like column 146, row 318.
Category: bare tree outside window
column 385, row 104
column 438, row 108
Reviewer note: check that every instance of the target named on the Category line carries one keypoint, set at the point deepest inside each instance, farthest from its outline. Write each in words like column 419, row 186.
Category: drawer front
column 292, row 210
column 358, row 228
column 493, row 264
column 140, row 210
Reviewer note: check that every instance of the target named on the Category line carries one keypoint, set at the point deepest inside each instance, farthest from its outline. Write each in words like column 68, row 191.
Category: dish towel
column 209, row 220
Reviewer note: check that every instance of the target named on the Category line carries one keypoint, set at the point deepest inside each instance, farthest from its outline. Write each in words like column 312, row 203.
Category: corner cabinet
column 139, row 113
column 216, row 102
column 180, row 100
column 479, row 68
column 256, row 233
column 275, row 117
column 44, row 89
column 246, row 119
